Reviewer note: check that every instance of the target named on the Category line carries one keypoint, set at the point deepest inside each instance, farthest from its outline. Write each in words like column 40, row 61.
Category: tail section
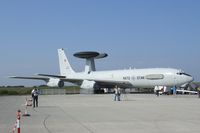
column 65, row 67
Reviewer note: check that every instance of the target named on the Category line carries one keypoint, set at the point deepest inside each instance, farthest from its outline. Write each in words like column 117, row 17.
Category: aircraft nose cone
column 190, row 78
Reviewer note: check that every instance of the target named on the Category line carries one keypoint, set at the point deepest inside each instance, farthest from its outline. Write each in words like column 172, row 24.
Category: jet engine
column 54, row 82
column 89, row 86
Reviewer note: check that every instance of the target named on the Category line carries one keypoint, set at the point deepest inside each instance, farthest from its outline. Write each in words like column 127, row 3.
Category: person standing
column 35, row 94
column 156, row 90
column 174, row 90
column 198, row 89
column 116, row 93
column 157, row 93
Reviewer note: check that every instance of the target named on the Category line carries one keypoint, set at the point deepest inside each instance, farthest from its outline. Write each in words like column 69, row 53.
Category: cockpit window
column 182, row 73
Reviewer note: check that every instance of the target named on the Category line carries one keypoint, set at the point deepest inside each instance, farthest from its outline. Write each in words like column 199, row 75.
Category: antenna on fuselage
column 90, row 56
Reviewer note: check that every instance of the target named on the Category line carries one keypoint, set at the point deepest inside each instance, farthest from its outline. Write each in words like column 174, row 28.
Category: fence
column 58, row 91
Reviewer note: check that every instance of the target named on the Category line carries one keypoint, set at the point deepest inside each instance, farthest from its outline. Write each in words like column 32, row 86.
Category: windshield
column 182, row 73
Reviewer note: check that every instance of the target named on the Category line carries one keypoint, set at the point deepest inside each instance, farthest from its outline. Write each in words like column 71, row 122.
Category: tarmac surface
column 138, row 113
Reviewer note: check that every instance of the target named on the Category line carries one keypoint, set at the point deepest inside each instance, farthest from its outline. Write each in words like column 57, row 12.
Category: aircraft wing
column 47, row 78
column 63, row 78
column 31, row 77
column 54, row 76
column 75, row 81
column 101, row 83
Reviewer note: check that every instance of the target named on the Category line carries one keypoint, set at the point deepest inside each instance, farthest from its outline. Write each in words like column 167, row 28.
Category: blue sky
column 136, row 33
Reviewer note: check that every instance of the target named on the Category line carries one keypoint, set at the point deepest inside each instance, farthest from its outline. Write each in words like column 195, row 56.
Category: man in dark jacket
column 35, row 94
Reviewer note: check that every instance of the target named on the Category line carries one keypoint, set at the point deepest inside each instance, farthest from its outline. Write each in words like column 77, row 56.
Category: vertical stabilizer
column 65, row 67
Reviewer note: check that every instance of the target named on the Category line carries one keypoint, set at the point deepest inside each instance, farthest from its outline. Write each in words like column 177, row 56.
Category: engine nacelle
column 87, row 84
column 54, row 82
column 89, row 87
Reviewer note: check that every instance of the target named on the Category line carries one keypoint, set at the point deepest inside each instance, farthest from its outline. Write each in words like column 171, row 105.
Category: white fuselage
column 143, row 78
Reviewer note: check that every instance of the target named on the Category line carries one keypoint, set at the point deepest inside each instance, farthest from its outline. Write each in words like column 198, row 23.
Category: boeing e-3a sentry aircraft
column 91, row 80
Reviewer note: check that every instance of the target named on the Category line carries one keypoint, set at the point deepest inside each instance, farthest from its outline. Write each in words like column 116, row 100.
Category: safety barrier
column 17, row 123
column 26, row 105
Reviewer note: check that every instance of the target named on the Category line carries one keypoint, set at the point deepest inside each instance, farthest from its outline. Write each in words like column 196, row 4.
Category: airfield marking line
column 45, row 120
column 44, row 123
column 67, row 114
column 74, row 119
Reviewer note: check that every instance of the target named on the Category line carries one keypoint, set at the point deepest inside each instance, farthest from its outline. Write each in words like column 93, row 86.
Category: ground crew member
column 35, row 94
column 198, row 89
column 157, row 93
column 156, row 90
column 115, row 92
column 118, row 94
column 174, row 90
